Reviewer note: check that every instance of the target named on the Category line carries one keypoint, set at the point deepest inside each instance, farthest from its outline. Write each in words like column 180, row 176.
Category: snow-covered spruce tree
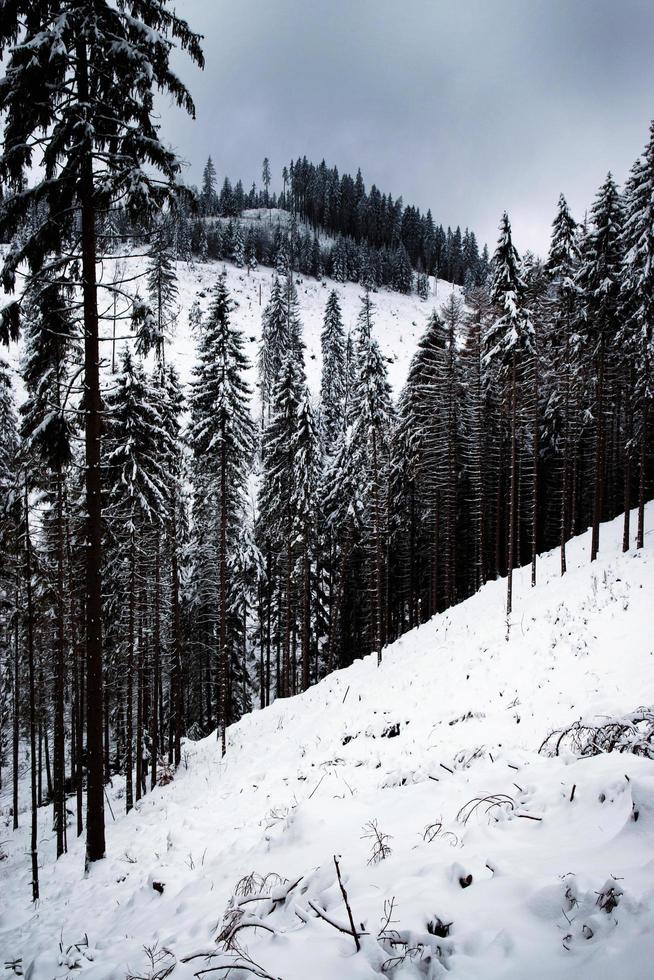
column 402, row 271
column 247, row 571
column 278, row 514
column 478, row 465
column 599, row 279
column 137, row 502
column 170, row 404
column 208, row 194
column 561, row 347
column 405, row 509
column 339, row 261
column 422, row 285
column 535, row 280
column 343, row 507
column 509, row 342
column 637, row 313
column 274, row 343
column 307, row 461
column 371, row 415
column 158, row 324
column 333, row 380
column 452, row 409
column 48, row 350
column 78, row 104
column 222, row 437
column 238, row 248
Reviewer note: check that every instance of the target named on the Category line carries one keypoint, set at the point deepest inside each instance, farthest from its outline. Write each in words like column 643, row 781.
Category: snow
column 303, row 779
column 400, row 320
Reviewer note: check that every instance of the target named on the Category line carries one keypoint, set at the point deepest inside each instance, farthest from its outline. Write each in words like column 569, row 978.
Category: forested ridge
column 173, row 557
column 335, row 226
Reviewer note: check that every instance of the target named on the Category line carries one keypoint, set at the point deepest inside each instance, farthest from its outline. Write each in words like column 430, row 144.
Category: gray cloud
column 469, row 107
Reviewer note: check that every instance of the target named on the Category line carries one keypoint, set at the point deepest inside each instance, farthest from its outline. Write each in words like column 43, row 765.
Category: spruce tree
column 222, row 437
column 509, row 342
column 561, row 346
column 599, row 279
column 637, row 310
column 333, row 377
column 208, row 193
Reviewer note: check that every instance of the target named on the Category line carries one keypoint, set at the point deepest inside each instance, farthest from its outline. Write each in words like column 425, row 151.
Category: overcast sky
column 469, row 107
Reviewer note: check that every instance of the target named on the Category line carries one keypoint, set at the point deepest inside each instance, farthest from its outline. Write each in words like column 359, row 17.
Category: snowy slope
column 302, row 780
column 400, row 320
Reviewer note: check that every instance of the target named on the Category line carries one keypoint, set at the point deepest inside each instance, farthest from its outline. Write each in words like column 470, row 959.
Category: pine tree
column 333, row 379
column 208, row 193
column 222, row 437
column 371, row 412
column 238, row 250
column 162, row 294
column 561, row 346
column 599, row 279
column 509, row 342
column 265, row 179
column 637, row 310
column 277, row 512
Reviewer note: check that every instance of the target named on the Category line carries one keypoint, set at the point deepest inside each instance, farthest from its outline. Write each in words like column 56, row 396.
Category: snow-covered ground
column 400, row 320
column 454, row 714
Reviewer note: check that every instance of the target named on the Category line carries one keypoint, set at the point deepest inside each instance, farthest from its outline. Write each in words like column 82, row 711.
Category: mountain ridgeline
column 336, row 227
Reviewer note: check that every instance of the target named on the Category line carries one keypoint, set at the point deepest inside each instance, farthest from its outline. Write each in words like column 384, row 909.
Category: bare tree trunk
column 59, row 762
column 306, row 610
column 16, row 733
column 598, row 499
column 95, row 834
column 378, row 552
column 156, row 673
column 640, row 538
column 129, row 708
column 176, row 707
column 223, row 652
column 32, row 692
column 512, row 494
column 536, row 454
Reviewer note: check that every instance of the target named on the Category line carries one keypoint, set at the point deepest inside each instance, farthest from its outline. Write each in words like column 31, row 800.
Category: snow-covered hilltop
column 461, row 848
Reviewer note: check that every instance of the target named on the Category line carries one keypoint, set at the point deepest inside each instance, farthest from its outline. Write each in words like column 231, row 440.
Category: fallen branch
column 347, row 904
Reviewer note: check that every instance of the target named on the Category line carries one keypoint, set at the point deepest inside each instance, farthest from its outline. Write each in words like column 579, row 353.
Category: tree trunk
column 223, row 653
column 129, row 707
column 598, row 496
column 156, row 674
column 32, row 693
column 176, row 707
column 640, row 538
column 95, row 835
column 536, row 455
column 59, row 762
column 512, row 494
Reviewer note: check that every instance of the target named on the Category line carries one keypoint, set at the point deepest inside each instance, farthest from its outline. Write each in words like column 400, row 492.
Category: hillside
column 454, row 714
column 399, row 319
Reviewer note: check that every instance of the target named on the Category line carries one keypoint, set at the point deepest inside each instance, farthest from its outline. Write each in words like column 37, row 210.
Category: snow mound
column 463, row 851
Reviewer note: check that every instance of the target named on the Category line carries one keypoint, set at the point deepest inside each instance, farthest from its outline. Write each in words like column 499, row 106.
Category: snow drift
column 463, row 851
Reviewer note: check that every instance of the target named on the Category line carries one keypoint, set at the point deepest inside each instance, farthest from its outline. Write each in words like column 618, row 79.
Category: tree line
column 377, row 240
